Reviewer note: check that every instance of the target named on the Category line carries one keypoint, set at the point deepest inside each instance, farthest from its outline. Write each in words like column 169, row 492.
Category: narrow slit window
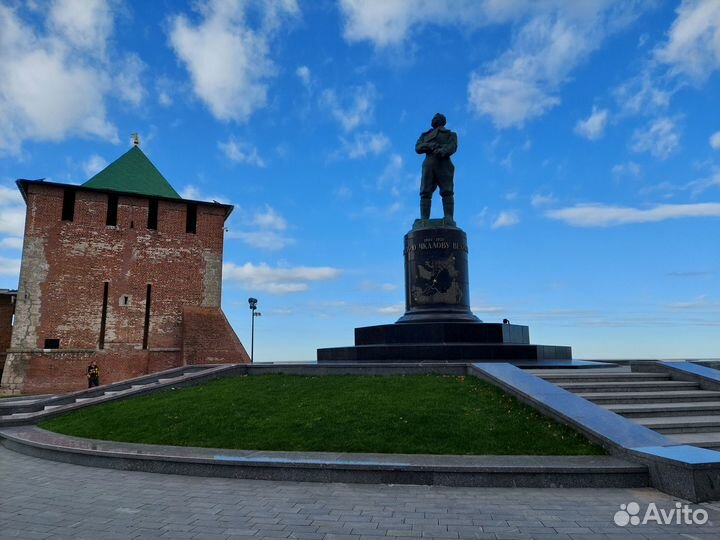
column 146, row 326
column 153, row 215
column 68, row 207
column 191, row 220
column 112, row 210
column 103, row 315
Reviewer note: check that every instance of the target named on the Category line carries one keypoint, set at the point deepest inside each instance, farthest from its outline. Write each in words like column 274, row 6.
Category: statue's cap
column 438, row 120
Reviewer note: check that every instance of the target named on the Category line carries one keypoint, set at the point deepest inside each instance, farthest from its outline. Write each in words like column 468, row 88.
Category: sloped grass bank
column 423, row 414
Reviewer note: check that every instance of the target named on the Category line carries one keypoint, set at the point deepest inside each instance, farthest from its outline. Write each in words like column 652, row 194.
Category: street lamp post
column 253, row 307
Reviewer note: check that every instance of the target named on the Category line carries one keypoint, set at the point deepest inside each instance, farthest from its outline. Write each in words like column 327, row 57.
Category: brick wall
column 208, row 338
column 66, row 264
column 65, row 371
column 6, row 312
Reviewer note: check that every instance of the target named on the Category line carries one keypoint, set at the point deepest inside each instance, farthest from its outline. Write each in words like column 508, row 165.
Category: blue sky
column 587, row 175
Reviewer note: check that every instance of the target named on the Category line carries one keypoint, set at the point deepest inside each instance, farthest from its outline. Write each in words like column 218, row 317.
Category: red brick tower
column 120, row 270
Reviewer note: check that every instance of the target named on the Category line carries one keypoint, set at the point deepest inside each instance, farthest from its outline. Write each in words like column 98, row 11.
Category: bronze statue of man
column 438, row 144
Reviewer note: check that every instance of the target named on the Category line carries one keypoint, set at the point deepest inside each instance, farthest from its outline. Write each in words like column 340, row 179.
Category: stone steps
column 681, row 410
column 705, row 440
column 592, row 378
column 632, row 410
column 631, row 386
column 681, row 424
column 650, row 397
column 21, row 415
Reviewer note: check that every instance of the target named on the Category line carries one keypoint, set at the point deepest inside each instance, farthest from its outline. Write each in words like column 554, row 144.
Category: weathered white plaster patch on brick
column 212, row 279
column 33, row 273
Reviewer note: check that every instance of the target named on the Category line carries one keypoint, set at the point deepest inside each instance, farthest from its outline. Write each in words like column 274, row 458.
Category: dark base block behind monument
column 438, row 325
column 443, row 341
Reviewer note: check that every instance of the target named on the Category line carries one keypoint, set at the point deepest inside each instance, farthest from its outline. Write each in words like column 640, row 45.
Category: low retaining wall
column 466, row 471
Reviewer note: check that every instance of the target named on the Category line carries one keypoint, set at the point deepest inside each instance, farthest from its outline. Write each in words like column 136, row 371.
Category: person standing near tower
column 93, row 374
column 438, row 171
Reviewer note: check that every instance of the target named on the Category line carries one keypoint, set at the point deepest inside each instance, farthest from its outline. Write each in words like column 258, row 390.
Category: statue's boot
column 425, row 208
column 448, row 207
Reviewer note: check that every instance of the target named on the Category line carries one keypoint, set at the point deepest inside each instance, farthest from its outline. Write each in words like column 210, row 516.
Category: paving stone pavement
column 44, row 499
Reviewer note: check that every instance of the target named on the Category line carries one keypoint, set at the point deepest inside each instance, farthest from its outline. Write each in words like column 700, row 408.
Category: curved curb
column 465, row 471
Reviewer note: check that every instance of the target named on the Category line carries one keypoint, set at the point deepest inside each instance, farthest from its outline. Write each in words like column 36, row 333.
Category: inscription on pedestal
column 436, row 274
column 436, row 243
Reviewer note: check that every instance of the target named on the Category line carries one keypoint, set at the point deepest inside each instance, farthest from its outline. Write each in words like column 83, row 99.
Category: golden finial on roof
column 136, row 139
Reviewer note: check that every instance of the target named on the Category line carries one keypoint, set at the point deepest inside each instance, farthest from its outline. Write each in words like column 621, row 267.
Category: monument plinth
column 438, row 325
column 437, row 287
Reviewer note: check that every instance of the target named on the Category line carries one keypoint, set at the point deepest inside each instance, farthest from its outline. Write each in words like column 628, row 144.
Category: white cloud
column 85, row 24
column 395, row 179
column 269, row 219
column 488, row 309
column 553, row 39
column 395, row 309
column 691, row 53
column 241, row 152
column 278, row 280
column 391, row 22
column 268, row 240
column 366, row 143
column 506, row 219
column 265, row 231
column 550, row 40
column 303, row 73
column 352, row 109
column 11, row 243
column 598, row 215
column 55, row 85
column 191, row 192
column 9, row 267
column 593, row 127
column 164, row 89
column 127, row 80
column 507, row 100
column 12, row 212
column 641, row 94
column 660, row 138
column 693, row 45
column 196, row 194
column 627, row 169
column 374, row 286
column 93, row 165
column 700, row 302
column 715, row 140
column 542, row 200
column 698, row 186
column 694, row 187
column 229, row 60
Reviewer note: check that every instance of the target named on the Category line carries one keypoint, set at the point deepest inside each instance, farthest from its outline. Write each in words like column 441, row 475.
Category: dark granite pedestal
column 438, row 325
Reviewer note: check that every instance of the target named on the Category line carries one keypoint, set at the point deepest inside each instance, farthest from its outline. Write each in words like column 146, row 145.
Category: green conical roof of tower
column 133, row 172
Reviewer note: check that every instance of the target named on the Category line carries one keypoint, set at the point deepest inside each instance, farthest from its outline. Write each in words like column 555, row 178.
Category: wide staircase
column 30, row 409
column 681, row 410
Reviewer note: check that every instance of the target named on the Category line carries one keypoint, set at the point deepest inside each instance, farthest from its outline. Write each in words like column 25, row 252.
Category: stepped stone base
column 444, row 342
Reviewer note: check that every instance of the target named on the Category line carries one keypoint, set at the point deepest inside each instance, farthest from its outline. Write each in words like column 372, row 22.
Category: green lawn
column 423, row 414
